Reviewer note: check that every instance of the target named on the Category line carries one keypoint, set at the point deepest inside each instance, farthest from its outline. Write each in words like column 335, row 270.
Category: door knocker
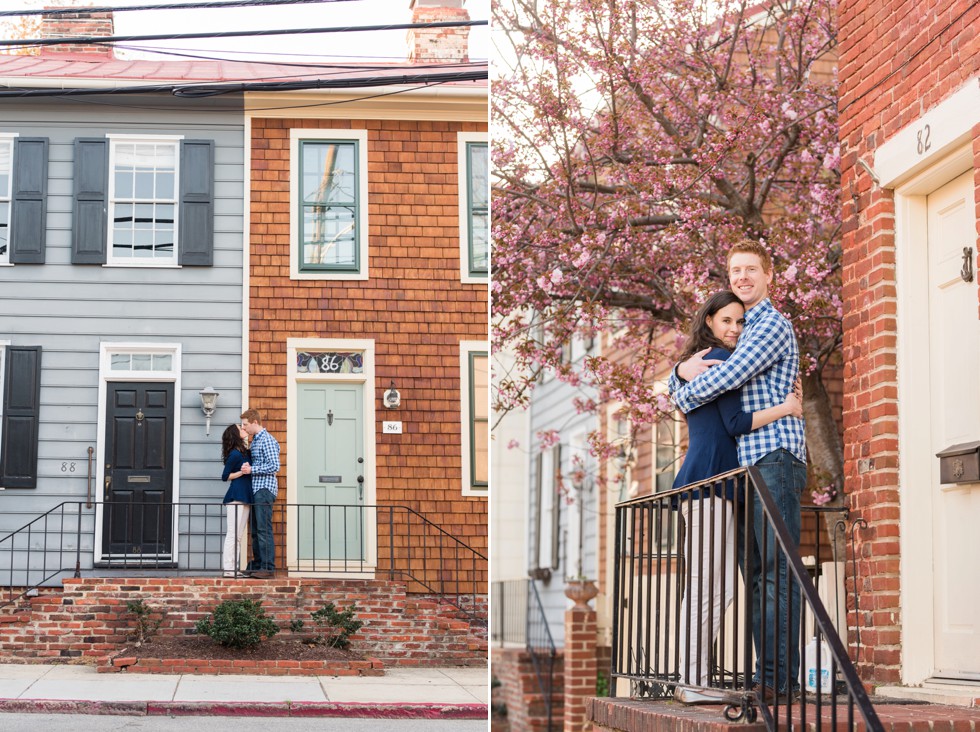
column 967, row 272
column 139, row 418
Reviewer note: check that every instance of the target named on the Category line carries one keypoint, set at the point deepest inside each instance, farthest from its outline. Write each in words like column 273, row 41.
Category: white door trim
column 293, row 378
column 914, row 418
column 106, row 349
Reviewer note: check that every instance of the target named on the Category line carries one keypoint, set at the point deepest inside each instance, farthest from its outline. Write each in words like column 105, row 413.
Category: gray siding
column 552, row 408
column 69, row 309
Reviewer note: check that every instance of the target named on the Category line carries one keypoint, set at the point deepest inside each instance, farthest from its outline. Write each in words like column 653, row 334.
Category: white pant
column 236, row 515
column 715, row 515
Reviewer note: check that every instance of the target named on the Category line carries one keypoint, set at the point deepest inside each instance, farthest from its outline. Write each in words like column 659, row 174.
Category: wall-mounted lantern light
column 392, row 399
column 209, row 400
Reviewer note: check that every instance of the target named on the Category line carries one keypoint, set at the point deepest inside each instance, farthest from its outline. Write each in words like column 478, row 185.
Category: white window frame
column 465, row 349
column 142, row 262
column 303, row 134
column 462, row 139
column 6, row 197
column 106, row 351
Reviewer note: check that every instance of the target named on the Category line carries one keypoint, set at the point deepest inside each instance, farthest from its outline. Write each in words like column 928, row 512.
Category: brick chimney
column 446, row 45
column 81, row 23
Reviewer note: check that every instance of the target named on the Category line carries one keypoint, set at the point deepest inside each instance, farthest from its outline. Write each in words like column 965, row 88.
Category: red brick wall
column 89, row 619
column 413, row 306
column 520, row 691
column 898, row 59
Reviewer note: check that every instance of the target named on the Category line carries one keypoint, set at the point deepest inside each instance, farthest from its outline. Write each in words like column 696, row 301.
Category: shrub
column 335, row 628
column 146, row 624
column 238, row 624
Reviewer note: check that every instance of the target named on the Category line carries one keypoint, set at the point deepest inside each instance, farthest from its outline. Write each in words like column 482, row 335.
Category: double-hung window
column 474, row 206
column 329, row 203
column 475, row 373
column 143, row 201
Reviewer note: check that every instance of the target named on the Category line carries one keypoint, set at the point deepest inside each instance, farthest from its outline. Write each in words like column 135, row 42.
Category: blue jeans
column 785, row 476
column 263, row 543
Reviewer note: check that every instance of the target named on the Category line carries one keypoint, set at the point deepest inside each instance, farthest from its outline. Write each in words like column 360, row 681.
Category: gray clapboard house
column 122, row 221
column 563, row 517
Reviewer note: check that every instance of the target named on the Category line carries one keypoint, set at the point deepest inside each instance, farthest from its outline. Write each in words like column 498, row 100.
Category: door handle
column 108, row 483
column 360, row 487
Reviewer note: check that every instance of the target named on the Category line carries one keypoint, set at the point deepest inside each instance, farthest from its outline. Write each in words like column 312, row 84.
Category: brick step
column 628, row 715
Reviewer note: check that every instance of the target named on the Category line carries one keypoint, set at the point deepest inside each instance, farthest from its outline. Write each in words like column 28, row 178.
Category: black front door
column 139, row 447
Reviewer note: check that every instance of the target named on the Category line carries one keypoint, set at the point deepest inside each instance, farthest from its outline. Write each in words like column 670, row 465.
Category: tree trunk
column 825, row 449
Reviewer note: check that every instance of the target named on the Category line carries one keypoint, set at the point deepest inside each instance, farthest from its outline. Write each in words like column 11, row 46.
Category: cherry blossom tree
column 717, row 121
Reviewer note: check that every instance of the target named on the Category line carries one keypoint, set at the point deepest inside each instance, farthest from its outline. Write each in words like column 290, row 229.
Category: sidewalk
column 402, row 693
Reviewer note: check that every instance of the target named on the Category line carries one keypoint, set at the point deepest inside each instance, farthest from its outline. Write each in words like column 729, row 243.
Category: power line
column 123, row 105
column 297, row 64
column 239, row 34
column 170, row 6
column 198, row 90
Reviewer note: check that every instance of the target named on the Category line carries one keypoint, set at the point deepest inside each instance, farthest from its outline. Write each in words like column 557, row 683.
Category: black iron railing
column 541, row 648
column 687, row 624
column 188, row 538
column 508, row 619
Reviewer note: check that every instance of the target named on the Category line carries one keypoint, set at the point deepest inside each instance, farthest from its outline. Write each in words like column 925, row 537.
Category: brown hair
column 751, row 246
column 252, row 415
column 699, row 335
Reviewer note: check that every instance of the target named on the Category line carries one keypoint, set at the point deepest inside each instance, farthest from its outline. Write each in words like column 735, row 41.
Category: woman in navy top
column 238, row 499
column 712, row 449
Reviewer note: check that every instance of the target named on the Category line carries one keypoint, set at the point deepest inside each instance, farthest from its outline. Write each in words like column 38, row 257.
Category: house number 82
column 922, row 140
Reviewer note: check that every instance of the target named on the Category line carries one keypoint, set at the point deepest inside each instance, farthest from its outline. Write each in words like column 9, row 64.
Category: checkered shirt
column 265, row 463
column 766, row 362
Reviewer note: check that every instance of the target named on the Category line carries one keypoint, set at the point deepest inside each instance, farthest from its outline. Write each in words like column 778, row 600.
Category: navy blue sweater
column 711, row 430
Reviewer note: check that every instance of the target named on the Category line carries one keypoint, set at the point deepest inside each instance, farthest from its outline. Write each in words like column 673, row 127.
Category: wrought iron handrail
column 188, row 537
column 541, row 648
column 509, row 612
column 655, row 645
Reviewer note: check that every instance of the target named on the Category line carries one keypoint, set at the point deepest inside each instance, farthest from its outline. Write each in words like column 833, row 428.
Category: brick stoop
column 367, row 667
column 87, row 621
column 650, row 715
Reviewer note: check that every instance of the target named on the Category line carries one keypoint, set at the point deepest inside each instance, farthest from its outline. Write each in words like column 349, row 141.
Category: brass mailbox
column 960, row 463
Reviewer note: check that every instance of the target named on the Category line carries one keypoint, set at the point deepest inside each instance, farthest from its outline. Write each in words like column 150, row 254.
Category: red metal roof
column 17, row 71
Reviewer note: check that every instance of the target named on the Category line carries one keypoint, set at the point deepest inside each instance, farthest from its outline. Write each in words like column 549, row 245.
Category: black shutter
column 21, row 407
column 28, row 204
column 90, row 213
column 195, row 236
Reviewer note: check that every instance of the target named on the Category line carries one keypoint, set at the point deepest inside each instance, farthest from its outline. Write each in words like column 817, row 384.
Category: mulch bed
column 277, row 656
column 274, row 649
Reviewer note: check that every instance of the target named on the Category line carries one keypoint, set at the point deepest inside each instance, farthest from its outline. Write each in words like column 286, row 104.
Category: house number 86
column 922, row 140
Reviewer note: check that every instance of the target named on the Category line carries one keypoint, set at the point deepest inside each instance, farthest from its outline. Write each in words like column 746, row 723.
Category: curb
column 366, row 710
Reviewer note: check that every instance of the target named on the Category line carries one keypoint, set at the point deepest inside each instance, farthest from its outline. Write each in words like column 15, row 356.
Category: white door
column 954, row 345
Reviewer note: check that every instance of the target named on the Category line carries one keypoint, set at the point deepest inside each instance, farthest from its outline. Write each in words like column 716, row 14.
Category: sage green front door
column 331, row 516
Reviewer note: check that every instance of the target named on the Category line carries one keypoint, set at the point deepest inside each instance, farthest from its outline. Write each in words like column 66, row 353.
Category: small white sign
column 391, row 428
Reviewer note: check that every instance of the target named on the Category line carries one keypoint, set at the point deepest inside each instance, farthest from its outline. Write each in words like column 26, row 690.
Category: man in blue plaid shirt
column 765, row 363
column 263, row 466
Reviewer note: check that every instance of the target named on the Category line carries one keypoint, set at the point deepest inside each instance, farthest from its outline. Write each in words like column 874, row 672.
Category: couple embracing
column 737, row 384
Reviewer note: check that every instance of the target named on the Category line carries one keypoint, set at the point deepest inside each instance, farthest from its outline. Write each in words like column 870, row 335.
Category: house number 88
column 68, row 467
